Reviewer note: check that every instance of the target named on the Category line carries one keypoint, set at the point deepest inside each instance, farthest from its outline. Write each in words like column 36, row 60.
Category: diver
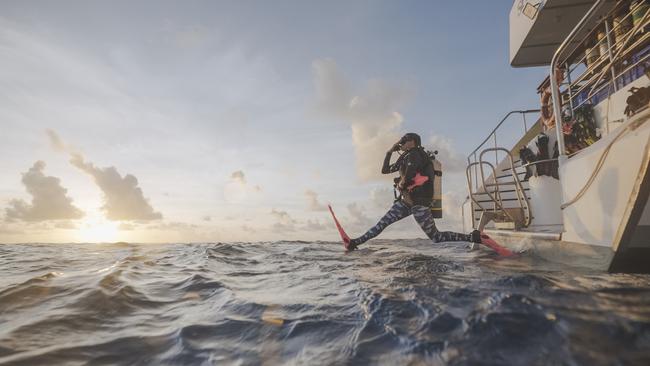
column 416, row 194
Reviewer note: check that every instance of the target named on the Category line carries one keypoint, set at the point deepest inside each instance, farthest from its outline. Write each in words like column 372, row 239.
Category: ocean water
column 394, row 302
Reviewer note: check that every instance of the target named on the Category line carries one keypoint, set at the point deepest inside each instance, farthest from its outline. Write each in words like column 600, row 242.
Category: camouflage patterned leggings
column 423, row 217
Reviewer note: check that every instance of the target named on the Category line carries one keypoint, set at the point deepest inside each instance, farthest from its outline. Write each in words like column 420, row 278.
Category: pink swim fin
column 344, row 235
column 418, row 180
column 489, row 242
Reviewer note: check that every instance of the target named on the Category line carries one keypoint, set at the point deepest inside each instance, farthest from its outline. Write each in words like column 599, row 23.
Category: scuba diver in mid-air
column 415, row 183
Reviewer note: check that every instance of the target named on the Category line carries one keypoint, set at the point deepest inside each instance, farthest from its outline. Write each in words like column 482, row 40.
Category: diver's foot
column 350, row 245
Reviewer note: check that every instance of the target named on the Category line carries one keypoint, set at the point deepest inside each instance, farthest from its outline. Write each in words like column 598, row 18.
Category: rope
column 600, row 163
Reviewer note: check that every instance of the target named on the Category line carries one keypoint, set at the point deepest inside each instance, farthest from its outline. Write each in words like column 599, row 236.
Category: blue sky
column 239, row 120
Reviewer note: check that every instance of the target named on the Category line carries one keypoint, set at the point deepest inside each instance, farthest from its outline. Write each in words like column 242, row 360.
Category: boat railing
column 555, row 91
column 496, row 138
column 591, row 71
column 608, row 68
column 534, row 163
column 486, row 191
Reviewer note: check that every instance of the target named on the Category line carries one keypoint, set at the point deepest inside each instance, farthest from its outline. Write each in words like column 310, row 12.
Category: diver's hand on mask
column 395, row 147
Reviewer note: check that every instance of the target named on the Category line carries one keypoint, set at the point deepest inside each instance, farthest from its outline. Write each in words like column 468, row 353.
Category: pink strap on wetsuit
column 418, row 180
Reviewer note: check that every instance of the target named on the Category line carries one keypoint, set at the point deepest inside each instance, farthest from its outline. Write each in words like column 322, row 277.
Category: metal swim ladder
column 504, row 217
column 486, row 195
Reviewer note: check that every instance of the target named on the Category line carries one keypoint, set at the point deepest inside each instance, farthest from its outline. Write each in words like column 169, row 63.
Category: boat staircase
column 495, row 178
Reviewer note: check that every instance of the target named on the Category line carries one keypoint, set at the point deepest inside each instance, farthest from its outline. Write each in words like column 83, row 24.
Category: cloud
column 282, row 216
column 55, row 141
column 126, row 227
column 173, row 226
column 451, row 160
column 332, row 89
column 237, row 189
column 123, row 198
column 374, row 119
column 190, row 37
column 238, row 176
column 315, row 225
column 382, row 197
column 8, row 230
column 373, row 115
column 452, row 202
column 49, row 199
column 248, row 229
column 67, row 225
column 312, row 201
column 284, row 221
column 358, row 215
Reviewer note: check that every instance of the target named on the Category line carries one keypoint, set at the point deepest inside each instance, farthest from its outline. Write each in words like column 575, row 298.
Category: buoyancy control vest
column 430, row 171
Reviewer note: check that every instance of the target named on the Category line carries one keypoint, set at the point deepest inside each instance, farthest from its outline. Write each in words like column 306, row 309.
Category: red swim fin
column 489, row 242
column 344, row 235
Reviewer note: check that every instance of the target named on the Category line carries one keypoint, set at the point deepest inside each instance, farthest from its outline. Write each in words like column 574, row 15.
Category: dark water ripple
column 393, row 302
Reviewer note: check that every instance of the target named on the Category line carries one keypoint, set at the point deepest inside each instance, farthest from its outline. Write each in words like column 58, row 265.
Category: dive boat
column 574, row 186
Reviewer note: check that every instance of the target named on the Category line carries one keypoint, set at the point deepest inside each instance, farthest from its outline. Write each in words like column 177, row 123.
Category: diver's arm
column 388, row 168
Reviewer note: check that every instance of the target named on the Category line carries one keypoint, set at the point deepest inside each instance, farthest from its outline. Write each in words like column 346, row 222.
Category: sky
column 206, row 121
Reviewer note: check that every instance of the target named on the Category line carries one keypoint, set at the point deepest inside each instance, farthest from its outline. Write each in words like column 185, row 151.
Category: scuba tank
column 436, row 203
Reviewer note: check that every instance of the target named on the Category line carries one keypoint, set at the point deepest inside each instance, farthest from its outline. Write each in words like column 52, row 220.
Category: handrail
column 537, row 162
column 469, row 183
column 471, row 194
column 628, row 37
column 555, row 91
column 499, row 125
column 598, row 89
column 521, row 196
column 608, row 32
column 498, row 201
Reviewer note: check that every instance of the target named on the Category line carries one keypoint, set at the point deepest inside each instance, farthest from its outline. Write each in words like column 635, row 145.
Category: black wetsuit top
column 411, row 162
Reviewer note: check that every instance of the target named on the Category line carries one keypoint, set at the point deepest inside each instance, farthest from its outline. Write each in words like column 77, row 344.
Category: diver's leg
column 424, row 218
column 396, row 213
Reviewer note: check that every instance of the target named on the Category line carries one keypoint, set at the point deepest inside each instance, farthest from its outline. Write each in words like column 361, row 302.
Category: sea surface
column 394, row 302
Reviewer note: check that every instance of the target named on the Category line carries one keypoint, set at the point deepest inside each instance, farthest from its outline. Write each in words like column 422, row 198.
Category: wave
column 392, row 302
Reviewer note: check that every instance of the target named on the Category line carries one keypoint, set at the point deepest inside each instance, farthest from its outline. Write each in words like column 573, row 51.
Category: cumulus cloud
column 312, row 201
column 238, row 189
column 374, row 118
column 123, row 198
column 49, row 199
column 314, row 225
column 373, row 115
column 284, row 221
column 452, row 202
column 451, row 160
column 358, row 215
